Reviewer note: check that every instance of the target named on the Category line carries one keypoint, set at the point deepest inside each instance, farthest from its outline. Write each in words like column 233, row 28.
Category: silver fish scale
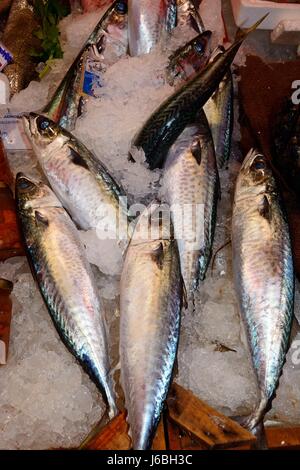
column 264, row 279
column 67, row 285
column 150, row 315
column 83, row 192
column 148, row 20
column 189, row 183
column 219, row 112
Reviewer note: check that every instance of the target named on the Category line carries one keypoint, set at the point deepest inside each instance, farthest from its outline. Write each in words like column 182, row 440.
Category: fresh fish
column 166, row 123
column 188, row 14
column 79, row 180
column 190, row 187
column 19, row 40
column 67, row 102
column 150, row 304
column 65, row 280
column 219, row 112
column 263, row 272
column 148, row 21
column 190, row 58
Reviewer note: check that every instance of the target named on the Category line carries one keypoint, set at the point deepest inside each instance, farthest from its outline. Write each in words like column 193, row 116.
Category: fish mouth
column 27, row 127
column 29, row 123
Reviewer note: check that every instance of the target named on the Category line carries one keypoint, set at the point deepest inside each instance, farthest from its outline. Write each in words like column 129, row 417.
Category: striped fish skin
column 191, row 180
column 150, row 302
column 167, row 122
column 65, row 106
column 189, row 59
column 148, row 22
column 188, row 14
column 79, row 180
column 263, row 271
column 219, row 112
column 65, row 280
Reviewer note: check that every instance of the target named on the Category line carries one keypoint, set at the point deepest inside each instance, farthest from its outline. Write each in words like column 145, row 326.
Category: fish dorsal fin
column 77, row 158
column 157, row 255
column 41, row 219
column 196, row 151
column 265, row 208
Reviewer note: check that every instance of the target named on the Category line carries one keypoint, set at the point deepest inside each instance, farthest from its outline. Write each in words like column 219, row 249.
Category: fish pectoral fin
column 77, row 158
column 157, row 255
column 265, row 209
column 41, row 219
column 196, row 151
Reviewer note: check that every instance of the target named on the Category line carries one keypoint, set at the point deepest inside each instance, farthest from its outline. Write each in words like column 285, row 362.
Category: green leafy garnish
column 50, row 12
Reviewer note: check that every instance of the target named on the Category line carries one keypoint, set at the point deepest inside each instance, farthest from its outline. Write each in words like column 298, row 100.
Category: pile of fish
column 189, row 137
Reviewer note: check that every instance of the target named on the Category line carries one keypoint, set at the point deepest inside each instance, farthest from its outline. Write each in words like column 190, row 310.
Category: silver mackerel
column 65, row 279
column 263, row 272
column 150, row 300
column 191, row 188
column 80, row 181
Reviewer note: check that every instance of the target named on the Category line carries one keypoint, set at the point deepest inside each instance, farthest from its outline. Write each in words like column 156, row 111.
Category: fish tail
column 258, row 414
column 242, row 33
column 111, row 398
column 113, row 409
column 94, row 432
column 260, row 434
column 254, row 423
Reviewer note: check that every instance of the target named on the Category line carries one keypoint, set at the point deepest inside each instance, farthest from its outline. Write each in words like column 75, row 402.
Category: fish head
column 41, row 130
column 118, row 22
column 32, row 194
column 202, row 44
column 256, row 173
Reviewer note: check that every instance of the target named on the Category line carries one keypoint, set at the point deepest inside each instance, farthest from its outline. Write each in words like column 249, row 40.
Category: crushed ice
column 46, row 400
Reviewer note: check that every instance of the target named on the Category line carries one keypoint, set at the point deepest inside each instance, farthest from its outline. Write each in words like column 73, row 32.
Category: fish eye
column 42, row 123
column 121, row 7
column 259, row 164
column 25, row 184
column 198, row 47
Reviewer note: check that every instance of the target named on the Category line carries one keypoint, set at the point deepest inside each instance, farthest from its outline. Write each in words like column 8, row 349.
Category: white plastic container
column 247, row 12
column 4, row 89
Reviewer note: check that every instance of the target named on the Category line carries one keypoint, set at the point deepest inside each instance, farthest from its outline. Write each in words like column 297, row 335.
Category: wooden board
column 283, row 438
column 113, row 436
column 159, row 441
column 190, row 424
column 208, row 426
